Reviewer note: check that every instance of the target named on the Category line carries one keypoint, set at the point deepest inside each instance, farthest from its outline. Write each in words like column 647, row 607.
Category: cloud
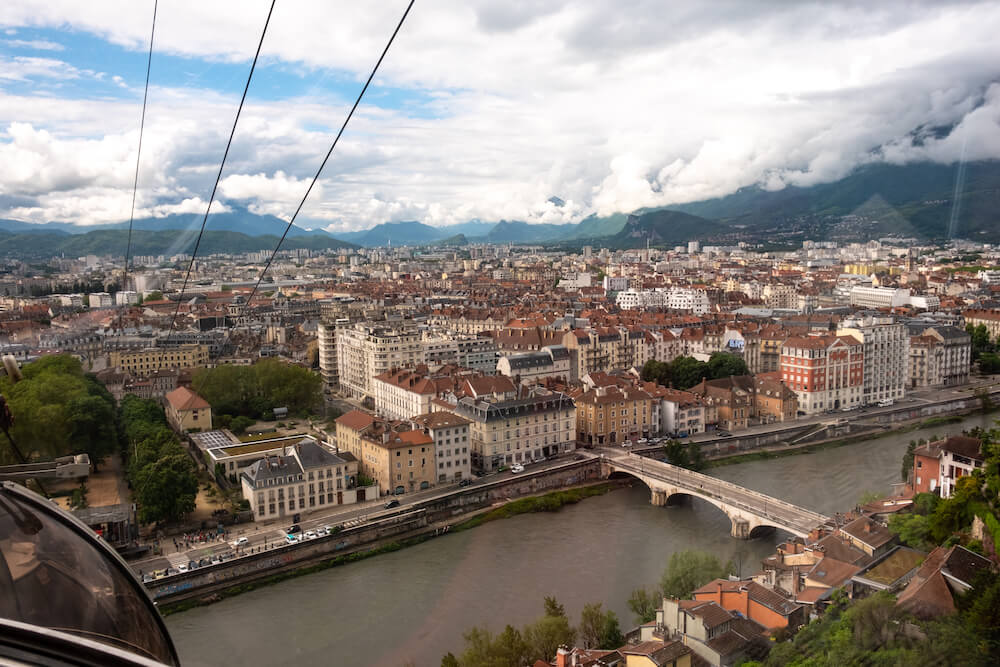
column 34, row 44
column 25, row 68
column 610, row 106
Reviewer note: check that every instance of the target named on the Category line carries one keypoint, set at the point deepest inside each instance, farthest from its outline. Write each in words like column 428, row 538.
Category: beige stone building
column 398, row 457
column 187, row 411
column 143, row 362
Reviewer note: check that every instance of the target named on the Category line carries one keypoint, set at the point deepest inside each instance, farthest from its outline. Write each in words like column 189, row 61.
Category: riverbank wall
column 414, row 523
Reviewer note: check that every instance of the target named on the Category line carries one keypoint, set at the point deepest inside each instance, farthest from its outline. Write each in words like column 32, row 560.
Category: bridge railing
column 706, row 484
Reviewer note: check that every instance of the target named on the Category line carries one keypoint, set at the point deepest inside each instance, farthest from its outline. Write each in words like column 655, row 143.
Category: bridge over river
column 747, row 510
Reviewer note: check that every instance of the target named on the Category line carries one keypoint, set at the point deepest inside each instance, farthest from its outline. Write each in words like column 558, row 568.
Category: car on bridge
column 516, row 468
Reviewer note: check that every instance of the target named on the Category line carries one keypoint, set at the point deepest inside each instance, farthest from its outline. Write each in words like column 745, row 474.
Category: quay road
column 269, row 534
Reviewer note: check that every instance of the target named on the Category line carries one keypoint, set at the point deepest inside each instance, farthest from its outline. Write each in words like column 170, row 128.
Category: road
column 269, row 534
column 787, row 515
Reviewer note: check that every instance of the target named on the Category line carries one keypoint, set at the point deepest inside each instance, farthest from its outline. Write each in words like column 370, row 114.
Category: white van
column 886, row 402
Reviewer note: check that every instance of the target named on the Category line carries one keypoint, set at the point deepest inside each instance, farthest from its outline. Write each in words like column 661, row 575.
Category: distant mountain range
column 43, row 244
column 877, row 200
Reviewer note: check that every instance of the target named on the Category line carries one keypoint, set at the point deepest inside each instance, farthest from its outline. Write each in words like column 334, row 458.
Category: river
column 411, row 606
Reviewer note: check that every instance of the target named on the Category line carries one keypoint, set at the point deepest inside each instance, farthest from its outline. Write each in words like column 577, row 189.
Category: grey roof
column 558, row 352
column 272, row 467
column 529, row 360
column 313, row 455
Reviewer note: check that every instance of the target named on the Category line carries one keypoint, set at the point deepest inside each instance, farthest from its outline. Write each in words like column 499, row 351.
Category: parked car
column 643, row 441
column 392, row 503
column 885, row 403
column 311, row 535
column 291, row 539
column 516, row 468
column 182, row 568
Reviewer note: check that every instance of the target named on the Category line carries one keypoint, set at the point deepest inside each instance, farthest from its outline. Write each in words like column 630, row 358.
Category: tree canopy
column 688, row 570
column 685, row 372
column 161, row 473
column 58, row 410
column 254, row 391
column 515, row 648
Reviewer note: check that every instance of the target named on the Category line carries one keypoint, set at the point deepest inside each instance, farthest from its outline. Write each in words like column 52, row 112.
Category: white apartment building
column 689, row 298
column 887, row 354
column 126, row 297
column 366, row 350
column 879, row 297
column 403, row 393
column 450, row 433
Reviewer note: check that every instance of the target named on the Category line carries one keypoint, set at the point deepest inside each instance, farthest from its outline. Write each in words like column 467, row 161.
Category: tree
column 254, row 391
column 591, row 625
column 907, row 467
column 686, row 372
column 166, row 490
column 689, row 570
column 58, row 410
column 913, row 530
column 980, row 340
column 546, row 635
column 239, row 425
column 611, row 633
column 553, row 608
column 656, row 371
column 723, row 365
column 155, row 295
column 687, row 455
column 643, row 604
column 599, row 628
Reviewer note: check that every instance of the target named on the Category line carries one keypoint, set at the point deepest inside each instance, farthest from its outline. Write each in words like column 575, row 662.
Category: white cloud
column 609, row 105
column 34, row 44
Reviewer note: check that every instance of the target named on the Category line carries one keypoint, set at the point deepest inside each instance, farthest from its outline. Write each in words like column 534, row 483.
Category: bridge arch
column 660, row 495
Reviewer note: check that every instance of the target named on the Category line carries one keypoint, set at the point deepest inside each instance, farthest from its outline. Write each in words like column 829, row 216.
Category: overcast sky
column 482, row 109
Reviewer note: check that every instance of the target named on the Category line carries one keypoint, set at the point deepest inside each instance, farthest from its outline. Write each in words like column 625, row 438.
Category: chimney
column 562, row 657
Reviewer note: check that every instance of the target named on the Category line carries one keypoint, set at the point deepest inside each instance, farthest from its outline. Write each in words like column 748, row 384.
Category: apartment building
column 612, row 415
column 879, row 297
column 397, row 456
column 990, row 318
column 939, row 355
column 326, row 339
column 681, row 412
column 886, row 352
column 478, row 353
column 781, row 296
column 825, row 371
column 551, row 361
column 365, row 350
column 938, row 465
column 406, row 393
column 450, row 433
column 305, row 477
column 145, row 361
column 512, row 424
